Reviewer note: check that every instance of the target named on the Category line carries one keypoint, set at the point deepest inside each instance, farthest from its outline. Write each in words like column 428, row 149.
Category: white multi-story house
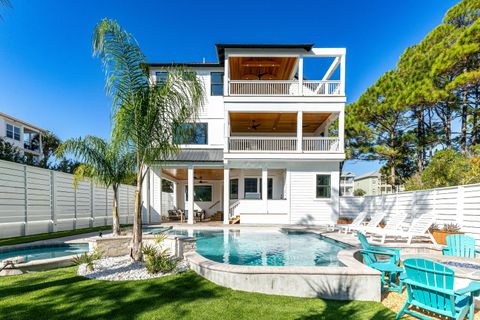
column 26, row 137
column 347, row 186
column 373, row 184
column 261, row 151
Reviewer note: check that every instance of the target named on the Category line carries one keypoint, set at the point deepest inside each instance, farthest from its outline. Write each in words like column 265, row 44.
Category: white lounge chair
column 373, row 223
column 418, row 229
column 355, row 223
column 394, row 224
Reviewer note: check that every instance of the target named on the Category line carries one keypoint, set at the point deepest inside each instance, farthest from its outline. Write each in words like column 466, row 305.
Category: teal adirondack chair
column 393, row 253
column 460, row 245
column 391, row 272
column 430, row 287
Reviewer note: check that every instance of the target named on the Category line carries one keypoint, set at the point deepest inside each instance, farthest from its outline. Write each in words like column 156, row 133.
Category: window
column 161, row 77
column 13, row 132
column 216, row 87
column 201, row 193
column 190, row 133
column 323, row 186
column 167, row 186
column 251, row 188
column 234, row 189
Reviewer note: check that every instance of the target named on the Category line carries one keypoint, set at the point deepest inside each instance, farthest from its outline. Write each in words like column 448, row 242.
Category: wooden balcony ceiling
column 203, row 175
column 275, row 122
column 262, row 68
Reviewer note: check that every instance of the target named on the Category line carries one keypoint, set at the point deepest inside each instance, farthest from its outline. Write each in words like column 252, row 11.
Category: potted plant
column 344, row 220
column 440, row 235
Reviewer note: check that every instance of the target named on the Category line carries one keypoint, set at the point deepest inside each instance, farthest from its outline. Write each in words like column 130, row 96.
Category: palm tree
column 104, row 163
column 145, row 116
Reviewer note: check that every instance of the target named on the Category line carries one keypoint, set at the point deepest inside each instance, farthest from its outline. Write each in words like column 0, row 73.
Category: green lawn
column 51, row 235
column 60, row 294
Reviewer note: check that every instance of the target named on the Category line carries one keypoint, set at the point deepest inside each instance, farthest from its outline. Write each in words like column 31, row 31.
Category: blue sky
column 48, row 76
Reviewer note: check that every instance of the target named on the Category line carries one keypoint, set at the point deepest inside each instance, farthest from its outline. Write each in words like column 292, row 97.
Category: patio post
column 265, row 188
column 226, row 195
column 191, row 196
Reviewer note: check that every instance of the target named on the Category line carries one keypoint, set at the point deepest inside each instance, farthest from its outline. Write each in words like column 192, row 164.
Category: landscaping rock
column 123, row 268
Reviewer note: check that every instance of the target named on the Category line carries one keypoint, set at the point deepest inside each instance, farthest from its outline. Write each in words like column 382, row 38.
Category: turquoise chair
column 392, row 274
column 393, row 253
column 460, row 245
column 430, row 287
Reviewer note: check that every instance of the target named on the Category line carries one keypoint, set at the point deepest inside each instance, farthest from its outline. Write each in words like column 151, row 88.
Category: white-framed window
column 216, row 85
column 202, row 193
column 234, row 188
column 323, row 188
column 253, row 188
column 13, row 132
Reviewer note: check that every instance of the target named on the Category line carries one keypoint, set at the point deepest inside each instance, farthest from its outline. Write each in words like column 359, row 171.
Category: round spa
column 282, row 262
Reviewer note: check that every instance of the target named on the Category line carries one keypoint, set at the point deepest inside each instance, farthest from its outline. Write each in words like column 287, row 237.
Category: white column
column 341, row 130
column 226, row 195
column 190, row 205
column 299, row 131
column 265, row 188
column 226, row 130
column 226, row 77
column 342, row 74
column 300, row 75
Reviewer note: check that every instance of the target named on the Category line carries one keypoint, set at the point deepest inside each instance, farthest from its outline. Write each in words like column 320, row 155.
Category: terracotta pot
column 344, row 221
column 441, row 235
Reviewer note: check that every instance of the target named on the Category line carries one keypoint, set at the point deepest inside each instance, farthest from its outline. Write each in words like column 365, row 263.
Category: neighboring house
column 23, row 135
column 347, row 186
column 373, row 184
column 261, row 148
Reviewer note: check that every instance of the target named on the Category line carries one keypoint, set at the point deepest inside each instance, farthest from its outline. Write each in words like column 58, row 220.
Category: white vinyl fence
column 35, row 200
column 460, row 205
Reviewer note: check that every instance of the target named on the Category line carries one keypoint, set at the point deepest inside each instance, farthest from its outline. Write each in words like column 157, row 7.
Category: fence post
column 75, row 208
column 105, row 219
column 52, row 197
column 414, row 205
column 25, row 185
column 460, row 205
column 92, row 206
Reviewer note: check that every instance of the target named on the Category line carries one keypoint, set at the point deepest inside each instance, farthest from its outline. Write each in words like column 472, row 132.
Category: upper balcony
column 284, row 73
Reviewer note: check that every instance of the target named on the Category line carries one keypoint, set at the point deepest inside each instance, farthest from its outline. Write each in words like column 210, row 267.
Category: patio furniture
column 460, row 245
column 392, row 275
column 430, row 287
column 418, row 229
column 356, row 222
column 395, row 258
column 394, row 224
column 373, row 223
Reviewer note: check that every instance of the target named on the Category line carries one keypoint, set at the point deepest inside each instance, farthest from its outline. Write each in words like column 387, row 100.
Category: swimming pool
column 265, row 247
column 40, row 252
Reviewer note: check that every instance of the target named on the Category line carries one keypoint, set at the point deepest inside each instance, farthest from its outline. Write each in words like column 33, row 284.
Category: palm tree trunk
column 116, row 220
column 136, row 251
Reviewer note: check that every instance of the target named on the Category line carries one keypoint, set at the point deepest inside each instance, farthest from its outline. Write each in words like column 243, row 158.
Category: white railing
column 321, row 88
column 283, row 88
column 260, row 144
column 232, row 207
column 321, row 144
column 263, row 88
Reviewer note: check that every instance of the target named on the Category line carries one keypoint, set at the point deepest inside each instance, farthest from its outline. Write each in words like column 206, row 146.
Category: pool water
column 266, row 247
column 45, row 252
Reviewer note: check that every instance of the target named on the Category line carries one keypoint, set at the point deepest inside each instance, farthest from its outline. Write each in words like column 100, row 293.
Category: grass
column 50, row 235
column 61, row 294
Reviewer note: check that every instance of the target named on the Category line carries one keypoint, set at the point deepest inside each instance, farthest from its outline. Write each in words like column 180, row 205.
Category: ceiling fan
column 254, row 126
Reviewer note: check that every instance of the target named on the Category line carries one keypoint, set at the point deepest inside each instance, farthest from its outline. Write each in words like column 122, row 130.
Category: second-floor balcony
column 283, row 144
column 284, row 88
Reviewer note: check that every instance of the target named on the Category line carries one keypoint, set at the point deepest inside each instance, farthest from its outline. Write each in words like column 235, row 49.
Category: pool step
column 235, row 220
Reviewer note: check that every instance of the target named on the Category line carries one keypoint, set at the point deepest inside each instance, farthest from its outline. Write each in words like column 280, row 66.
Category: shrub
column 434, row 227
column 359, row 192
column 451, row 227
column 87, row 258
column 161, row 261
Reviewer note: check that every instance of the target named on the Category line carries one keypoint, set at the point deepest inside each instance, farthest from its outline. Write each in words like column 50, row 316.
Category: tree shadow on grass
column 336, row 310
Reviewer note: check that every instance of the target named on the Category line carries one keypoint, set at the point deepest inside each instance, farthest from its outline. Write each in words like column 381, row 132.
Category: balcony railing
column 261, row 144
column 284, row 88
column 283, row 144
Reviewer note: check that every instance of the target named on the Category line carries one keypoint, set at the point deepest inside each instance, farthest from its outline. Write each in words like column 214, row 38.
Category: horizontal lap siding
column 459, row 205
column 32, row 199
column 305, row 208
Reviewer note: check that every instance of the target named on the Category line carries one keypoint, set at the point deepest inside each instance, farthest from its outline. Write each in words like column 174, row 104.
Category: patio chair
column 367, row 246
column 392, row 275
column 460, row 245
column 418, row 229
column 373, row 223
column 356, row 222
column 394, row 224
column 430, row 287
